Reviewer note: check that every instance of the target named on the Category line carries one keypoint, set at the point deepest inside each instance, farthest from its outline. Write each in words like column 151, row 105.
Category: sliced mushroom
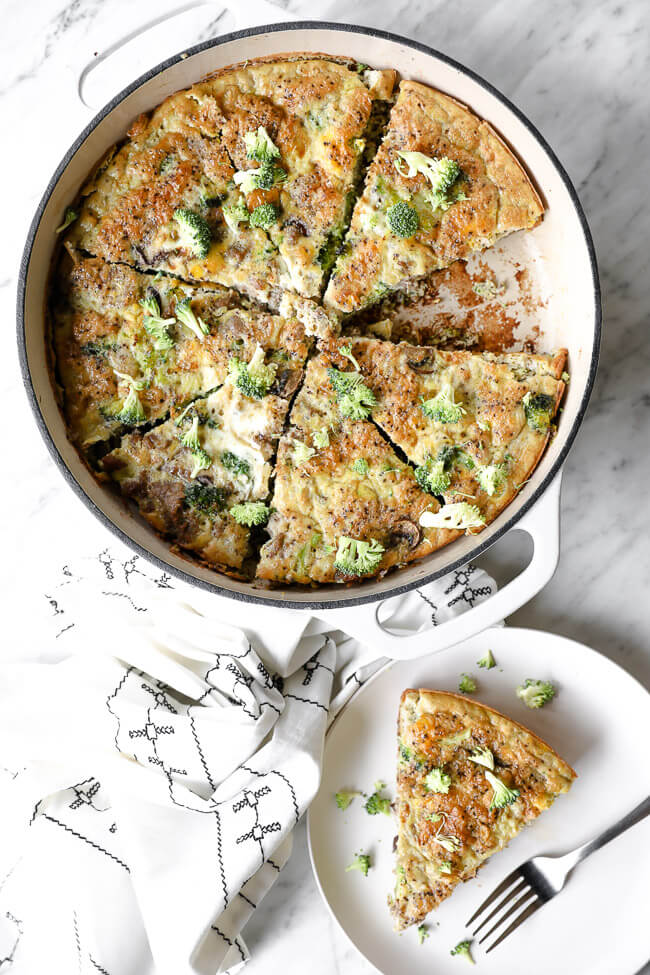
column 407, row 531
column 425, row 363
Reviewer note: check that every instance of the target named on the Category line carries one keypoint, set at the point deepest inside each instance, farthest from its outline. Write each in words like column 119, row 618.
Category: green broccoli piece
column 449, row 843
column 194, row 232
column 260, row 146
column 455, row 517
column 482, row 756
column 535, row 693
column 437, row 781
column 402, row 219
column 376, row 803
column 155, row 325
column 236, row 465
column 167, row 164
column 466, row 684
column 503, row 796
column 444, row 866
column 264, row 216
column 434, row 476
column 205, row 498
column 405, row 753
column 354, row 399
column 361, row 466
column 234, row 214
column 492, row 478
column 487, row 662
column 361, row 862
column 69, row 217
column 462, row 948
column 253, row 379
column 269, row 175
column 441, row 174
column 301, row 453
column 321, row 439
column 344, row 798
column 250, row 513
column 442, row 407
column 485, row 289
column 185, row 315
column 423, row 934
column 190, row 439
column 346, row 350
column 355, row 557
column 565, row 377
column 539, row 409
column 131, row 411
column 330, row 247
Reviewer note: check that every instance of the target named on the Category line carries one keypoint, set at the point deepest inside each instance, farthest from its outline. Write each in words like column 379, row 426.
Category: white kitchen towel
column 155, row 760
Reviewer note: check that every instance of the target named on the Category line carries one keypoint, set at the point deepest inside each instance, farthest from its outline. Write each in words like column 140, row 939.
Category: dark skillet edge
column 316, row 604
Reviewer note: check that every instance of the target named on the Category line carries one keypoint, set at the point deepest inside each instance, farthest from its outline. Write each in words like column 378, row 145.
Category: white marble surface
column 581, row 72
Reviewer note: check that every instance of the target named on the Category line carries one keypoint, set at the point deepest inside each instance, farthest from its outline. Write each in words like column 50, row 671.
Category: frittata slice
column 243, row 179
column 202, row 478
column 130, row 347
column 475, row 425
column 442, row 186
column 344, row 505
column 468, row 780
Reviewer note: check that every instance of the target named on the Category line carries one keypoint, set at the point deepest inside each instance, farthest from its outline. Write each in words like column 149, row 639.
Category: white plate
column 598, row 722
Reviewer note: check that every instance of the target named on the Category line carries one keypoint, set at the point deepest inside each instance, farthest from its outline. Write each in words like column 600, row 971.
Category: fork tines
column 518, row 896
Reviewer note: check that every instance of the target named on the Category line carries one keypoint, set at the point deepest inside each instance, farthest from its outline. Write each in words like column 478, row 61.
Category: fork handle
column 635, row 816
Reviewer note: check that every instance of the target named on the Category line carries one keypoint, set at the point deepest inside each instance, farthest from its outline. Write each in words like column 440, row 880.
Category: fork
column 539, row 879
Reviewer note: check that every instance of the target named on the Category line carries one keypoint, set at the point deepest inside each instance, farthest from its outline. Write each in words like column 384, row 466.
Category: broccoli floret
column 69, row 217
column 195, row 233
column 457, row 516
column 442, row 407
column 492, row 478
column 264, row 216
column 441, row 174
column 449, row 843
column 250, row 513
column 131, row 411
column 355, row 401
column 405, row 753
column 321, row 439
column 565, row 377
column 264, row 178
column 185, row 315
column 376, row 803
column 253, row 379
column 330, row 247
column 260, row 146
column 167, row 164
column 462, row 948
column 361, row 862
column 402, row 219
column 190, row 439
column 346, row 350
column 361, row 466
column 301, row 453
column 205, row 498
column 434, row 476
column 487, row 662
column 444, row 866
column 423, row 934
column 503, row 796
column 155, row 325
column 539, row 408
column 482, row 756
column 236, row 465
column 535, row 693
column 234, row 214
column 437, row 781
column 357, row 558
column 344, row 798
column 466, row 684
column 486, row 289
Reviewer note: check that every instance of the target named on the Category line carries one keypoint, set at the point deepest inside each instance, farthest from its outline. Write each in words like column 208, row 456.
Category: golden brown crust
column 449, row 819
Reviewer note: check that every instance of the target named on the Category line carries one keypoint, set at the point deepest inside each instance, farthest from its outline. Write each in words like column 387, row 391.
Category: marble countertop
column 580, row 71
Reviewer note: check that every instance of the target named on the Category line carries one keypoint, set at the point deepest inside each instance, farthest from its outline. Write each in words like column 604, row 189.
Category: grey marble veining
column 581, row 72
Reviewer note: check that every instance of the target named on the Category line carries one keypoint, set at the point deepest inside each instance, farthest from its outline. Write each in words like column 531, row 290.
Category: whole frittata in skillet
column 205, row 273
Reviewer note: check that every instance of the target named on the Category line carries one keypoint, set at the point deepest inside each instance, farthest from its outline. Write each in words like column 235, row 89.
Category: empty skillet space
column 591, row 729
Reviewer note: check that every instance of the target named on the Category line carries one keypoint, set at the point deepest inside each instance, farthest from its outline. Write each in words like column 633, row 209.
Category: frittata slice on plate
column 344, row 505
column 202, row 478
column 474, row 424
column 468, row 780
column 442, row 186
column 130, row 347
column 243, row 180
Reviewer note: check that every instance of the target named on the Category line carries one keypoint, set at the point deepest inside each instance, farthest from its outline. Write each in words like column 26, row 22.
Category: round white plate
column 598, row 721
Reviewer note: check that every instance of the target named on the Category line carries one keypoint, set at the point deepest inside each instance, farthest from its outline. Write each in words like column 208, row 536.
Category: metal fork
column 538, row 880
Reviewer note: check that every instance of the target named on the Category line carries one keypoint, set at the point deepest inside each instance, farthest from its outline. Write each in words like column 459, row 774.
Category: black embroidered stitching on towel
column 201, row 755
column 306, row 700
column 116, row 716
column 293, row 794
column 86, row 840
column 85, row 797
column 97, row 966
column 222, row 872
column 76, row 938
column 247, row 899
column 229, row 942
column 19, row 933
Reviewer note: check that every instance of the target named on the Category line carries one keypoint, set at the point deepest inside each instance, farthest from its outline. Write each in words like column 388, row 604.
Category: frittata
column 468, row 780
column 442, row 186
column 196, row 306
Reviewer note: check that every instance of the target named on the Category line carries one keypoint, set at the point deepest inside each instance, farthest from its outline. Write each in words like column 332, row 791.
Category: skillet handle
column 251, row 14
column 542, row 523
